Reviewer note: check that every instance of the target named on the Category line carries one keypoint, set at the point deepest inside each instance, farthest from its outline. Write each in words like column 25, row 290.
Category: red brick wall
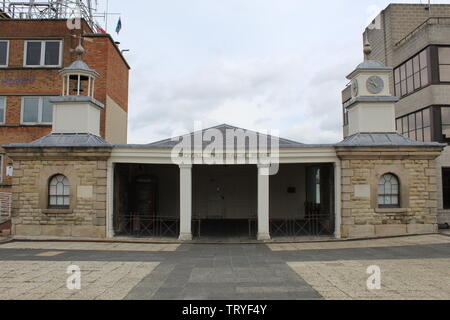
column 101, row 55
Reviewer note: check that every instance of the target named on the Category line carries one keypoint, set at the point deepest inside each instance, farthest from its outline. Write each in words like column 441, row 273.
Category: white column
column 185, row 202
column 263, row 202
column 110, row 200
column 338, row 203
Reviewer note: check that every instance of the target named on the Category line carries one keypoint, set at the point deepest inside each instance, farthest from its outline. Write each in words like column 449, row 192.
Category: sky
column 257, row 64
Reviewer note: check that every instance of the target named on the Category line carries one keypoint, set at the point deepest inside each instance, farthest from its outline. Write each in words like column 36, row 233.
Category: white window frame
column 43, row 47
column 7, row 54
column 3, row 121
column 40, row 107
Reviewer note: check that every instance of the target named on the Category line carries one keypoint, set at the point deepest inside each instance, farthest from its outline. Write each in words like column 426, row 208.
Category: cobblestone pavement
column 411, row 267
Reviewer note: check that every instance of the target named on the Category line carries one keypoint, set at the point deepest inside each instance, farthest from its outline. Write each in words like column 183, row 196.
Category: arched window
column 59, row 192
column 389, row 191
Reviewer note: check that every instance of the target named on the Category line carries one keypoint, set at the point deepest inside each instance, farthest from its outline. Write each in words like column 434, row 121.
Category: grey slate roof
column 382, row 140
column 64, row 140
column 372, row 65
column 79, row 65
column 168, row 143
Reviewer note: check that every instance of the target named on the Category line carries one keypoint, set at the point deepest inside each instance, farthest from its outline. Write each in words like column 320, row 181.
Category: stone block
column 388, row 230
column 56, row 230
column 365, row 231
column 421, row 228
column 27, row 230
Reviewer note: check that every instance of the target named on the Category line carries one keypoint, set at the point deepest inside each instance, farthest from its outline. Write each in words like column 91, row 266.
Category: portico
column 227, row 192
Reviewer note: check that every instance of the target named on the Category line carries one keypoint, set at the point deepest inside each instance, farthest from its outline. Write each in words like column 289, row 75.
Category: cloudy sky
column 257, row 64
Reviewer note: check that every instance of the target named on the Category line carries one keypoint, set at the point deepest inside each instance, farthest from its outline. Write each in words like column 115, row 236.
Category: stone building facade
column 362, row 169
column 86, row 170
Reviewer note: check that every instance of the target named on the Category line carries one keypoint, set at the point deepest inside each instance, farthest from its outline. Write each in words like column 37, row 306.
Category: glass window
column 59, row 192
column 389, row 191
column 427, row 134
column 444, row 73
column 30, row 113
column 2, row 110
column 444, row 55
column 43, row 53
column 3, row 53
column 33, row 53
column 37, row 110
column 412, row 75
column 426, row 118
column 47, row 110
column 52, row 53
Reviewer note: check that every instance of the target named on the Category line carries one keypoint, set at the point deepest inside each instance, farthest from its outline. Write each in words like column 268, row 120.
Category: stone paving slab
column 91, row 246
column 375, row 243
column 426, row 279
column 45, row 280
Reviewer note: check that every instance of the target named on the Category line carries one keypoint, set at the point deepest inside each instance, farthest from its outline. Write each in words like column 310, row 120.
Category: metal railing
column 5, row 204
column 137, row 225
column 429, row 21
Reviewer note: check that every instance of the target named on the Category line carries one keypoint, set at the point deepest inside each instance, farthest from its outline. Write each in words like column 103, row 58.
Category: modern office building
column 414, row 39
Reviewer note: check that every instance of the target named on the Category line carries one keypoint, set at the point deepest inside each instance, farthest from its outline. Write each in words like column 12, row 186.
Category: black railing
column 144, row 226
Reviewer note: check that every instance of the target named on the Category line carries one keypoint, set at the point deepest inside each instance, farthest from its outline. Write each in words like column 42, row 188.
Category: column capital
column 185, row 166
column 264, row 165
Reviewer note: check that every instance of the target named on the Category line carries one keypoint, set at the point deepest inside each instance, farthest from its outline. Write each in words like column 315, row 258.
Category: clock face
column 355, row 88
column 375, row 84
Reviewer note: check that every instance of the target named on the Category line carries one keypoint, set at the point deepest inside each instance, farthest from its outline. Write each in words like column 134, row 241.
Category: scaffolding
column 52, row 9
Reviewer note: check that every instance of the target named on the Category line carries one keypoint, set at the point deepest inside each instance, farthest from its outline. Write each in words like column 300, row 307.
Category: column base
column 263, row 237
column 185, row 237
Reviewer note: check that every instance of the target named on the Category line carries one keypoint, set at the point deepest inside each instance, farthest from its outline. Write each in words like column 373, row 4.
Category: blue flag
column 119, row 26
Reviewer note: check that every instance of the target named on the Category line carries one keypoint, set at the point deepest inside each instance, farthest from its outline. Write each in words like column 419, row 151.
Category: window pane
column 416, row 64
column 427, row 134
column 412, row 122
column 403, row 84
column 410, row 84
column 426, row 118
column 52, row 53
column 399, row 126
column 397, row 75
column 47, row 111
column 403, row 72
column 445, row 111
column 412, row 135
column 444, row 72
column 3, row 53
column 419, row 121
column 423, row 59
column 53, row 201
column 34, row 53
column 395, row 200
column 409, row 68
column 405, row 124
column 444, row 55
column 398, row 91
column 416, row 80
column 419, row 136
column 424, row 77
column 30, row 110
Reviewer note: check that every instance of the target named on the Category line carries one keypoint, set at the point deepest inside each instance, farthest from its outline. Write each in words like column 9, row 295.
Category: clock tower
column 372, row 107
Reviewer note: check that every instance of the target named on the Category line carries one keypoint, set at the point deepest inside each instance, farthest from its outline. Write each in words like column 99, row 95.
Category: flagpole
column 106, row 18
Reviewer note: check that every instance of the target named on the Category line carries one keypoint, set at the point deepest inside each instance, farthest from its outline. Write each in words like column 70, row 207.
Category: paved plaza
column 411, row 268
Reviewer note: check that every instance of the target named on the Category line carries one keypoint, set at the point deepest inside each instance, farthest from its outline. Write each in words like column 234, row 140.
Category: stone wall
column 87, row 175
column 361, row 215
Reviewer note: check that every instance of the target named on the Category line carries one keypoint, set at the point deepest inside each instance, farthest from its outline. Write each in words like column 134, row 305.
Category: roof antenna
column 367, row 48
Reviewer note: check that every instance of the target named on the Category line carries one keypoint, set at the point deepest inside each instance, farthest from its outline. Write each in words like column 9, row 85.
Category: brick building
column 414, row 40
column 32, row 53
